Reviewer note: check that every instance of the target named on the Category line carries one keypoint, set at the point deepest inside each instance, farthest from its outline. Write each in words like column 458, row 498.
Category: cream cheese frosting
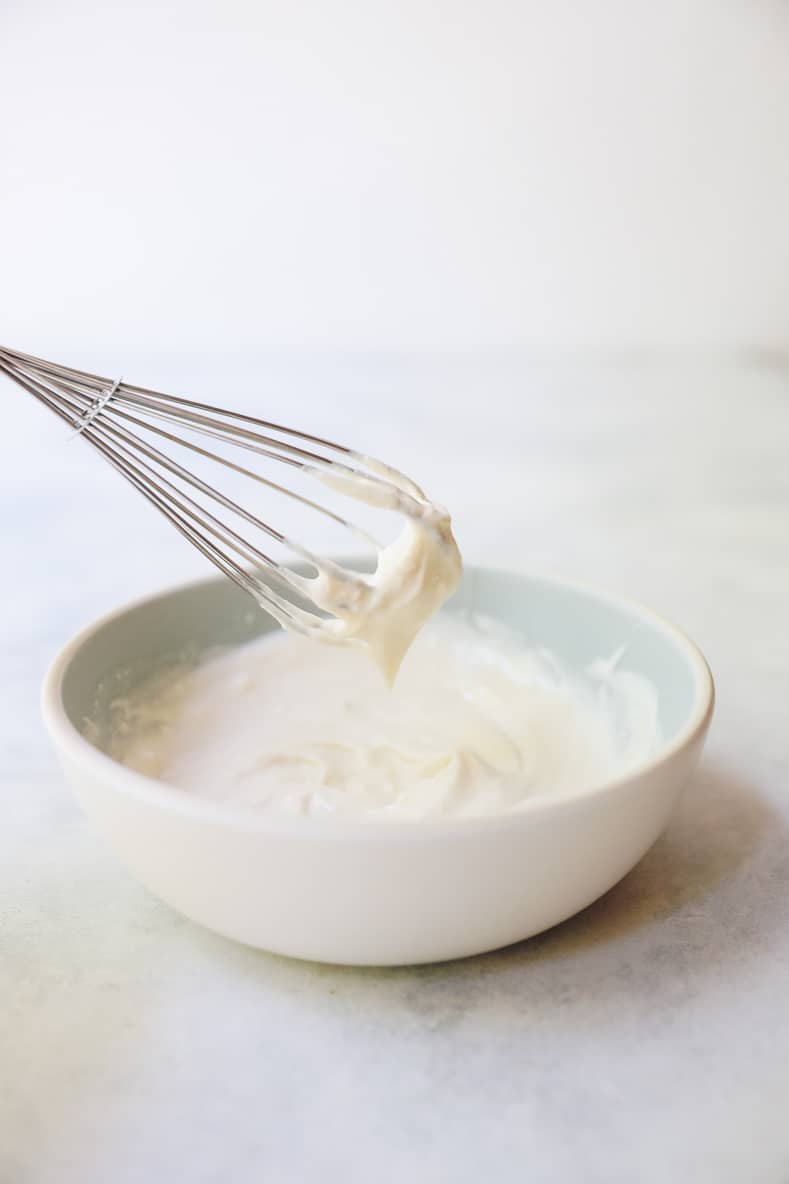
column 382, row 612
column 477, row 723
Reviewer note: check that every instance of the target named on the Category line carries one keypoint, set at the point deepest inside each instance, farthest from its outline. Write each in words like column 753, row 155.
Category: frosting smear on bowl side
column 477, row 723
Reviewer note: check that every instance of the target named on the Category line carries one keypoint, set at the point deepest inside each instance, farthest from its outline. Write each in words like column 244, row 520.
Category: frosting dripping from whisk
column 415, row 574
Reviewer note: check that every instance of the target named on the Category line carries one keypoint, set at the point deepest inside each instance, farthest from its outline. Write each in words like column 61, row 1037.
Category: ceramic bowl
column 366, row 892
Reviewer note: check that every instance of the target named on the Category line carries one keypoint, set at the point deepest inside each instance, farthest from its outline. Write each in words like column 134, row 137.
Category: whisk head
column 146, row 436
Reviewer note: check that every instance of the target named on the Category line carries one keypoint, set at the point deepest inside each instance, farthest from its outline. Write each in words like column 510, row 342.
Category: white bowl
column 366, row 892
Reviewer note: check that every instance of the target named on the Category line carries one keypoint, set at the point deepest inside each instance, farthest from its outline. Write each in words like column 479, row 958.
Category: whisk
column 128, row 424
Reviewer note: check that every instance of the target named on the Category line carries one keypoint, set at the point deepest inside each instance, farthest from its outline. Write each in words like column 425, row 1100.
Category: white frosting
column 476, row 724
column 414, row 575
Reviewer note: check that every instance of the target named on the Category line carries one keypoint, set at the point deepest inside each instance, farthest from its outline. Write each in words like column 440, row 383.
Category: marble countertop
column 647, row 1039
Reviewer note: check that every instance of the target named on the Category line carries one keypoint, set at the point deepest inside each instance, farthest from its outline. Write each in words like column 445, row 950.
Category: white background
column 536, row 254
column 229, row 177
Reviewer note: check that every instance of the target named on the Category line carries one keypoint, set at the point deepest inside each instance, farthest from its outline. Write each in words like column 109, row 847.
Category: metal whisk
column 122, row 422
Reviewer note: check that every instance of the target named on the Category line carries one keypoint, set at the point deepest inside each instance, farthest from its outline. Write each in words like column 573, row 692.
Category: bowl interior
column 578, row 624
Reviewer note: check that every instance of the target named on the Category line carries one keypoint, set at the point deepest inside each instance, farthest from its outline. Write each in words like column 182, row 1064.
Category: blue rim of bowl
column 64, row 734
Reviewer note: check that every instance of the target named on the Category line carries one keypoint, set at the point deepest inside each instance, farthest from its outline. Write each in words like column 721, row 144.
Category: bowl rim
column 66, row 738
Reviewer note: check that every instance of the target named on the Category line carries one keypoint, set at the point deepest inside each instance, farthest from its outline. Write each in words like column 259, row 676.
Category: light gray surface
column 647, row 1039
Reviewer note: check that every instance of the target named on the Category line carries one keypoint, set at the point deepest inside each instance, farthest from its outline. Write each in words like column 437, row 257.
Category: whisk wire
column 116, row 417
